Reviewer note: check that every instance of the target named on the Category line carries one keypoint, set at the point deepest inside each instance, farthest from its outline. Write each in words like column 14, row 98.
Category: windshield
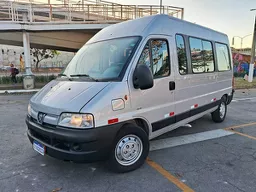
column 103, row 60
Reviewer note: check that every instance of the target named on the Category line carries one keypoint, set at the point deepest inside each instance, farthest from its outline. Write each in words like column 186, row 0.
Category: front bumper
column 230, row 97
column 71, row 144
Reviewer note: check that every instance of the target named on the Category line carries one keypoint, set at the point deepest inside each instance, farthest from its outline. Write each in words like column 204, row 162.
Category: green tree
column 41, row 54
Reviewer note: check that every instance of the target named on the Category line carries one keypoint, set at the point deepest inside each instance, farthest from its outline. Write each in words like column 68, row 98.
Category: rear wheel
column 130, row 149
column 219, row 114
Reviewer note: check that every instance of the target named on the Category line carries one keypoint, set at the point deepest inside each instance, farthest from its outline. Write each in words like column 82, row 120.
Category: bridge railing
column 81, row 12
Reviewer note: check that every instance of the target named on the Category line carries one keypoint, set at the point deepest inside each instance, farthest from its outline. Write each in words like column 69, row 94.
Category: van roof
column 158, row 24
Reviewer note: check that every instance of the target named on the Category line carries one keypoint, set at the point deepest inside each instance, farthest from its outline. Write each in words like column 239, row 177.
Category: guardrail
column 87, row 11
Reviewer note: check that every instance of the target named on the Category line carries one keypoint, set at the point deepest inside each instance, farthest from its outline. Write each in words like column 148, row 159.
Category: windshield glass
column 103, row 60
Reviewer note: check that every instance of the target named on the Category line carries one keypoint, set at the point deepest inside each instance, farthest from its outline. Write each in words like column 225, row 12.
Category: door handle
column 171, row 85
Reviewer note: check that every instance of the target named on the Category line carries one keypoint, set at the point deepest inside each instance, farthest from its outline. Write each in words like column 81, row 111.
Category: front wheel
column 130, row 149
column 219, row 114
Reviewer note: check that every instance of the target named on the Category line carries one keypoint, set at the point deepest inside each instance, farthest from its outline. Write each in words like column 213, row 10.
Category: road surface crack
column 233, row 185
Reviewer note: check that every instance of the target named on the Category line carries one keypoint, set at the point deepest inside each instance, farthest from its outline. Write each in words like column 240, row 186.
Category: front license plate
column 39, row 147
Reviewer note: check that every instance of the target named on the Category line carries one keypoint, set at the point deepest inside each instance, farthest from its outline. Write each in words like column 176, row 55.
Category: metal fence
column 84, row 11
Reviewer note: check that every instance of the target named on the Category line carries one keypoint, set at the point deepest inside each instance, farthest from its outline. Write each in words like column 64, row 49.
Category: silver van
column 130, row 83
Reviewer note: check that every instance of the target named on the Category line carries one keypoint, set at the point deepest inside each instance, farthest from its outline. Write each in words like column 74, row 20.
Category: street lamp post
column 242, row 38
column 251, row 69
column 161, row 3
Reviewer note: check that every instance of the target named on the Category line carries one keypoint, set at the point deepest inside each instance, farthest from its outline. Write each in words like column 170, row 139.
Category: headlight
column 29, row 110
column 72, row 120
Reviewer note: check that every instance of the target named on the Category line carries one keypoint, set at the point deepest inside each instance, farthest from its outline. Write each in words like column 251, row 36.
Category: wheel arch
column 143, row 124
column 140, row 122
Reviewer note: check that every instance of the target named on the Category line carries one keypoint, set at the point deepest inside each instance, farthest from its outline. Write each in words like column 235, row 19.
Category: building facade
column 15, row 55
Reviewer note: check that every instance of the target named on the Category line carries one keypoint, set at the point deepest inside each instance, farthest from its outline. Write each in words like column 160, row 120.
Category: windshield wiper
column 84, row 75
column 64, row 75
column 61, row 75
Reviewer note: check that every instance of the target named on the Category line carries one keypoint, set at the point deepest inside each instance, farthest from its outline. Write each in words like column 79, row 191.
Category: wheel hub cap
column 222, row 110
column 128, row 150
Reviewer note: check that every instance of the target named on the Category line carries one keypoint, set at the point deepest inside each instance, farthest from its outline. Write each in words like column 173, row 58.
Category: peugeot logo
column 40, row 117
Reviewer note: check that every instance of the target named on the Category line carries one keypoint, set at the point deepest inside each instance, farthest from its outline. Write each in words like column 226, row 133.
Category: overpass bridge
column 65, row 26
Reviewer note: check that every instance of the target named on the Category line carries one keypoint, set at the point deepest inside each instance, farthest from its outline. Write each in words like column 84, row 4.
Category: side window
column 182, row 56
column 197, row 59
column 160, row 58
column 156, row 56
column 201, row 55
column 208, row 56
column 223, row 58
column 145, row 56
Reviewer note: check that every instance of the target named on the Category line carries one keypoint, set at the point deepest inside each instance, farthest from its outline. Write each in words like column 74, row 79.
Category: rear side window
column 223, row 58
column 201, row 55
column 182, row 56
column 208, row 56
column 156, row 56
column 197, row 61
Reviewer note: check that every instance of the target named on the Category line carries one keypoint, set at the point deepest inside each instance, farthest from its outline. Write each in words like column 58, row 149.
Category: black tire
column 114, row 164
column 217, row 115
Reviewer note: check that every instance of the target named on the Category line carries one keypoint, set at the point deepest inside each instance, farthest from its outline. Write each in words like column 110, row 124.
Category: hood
column 65, row 96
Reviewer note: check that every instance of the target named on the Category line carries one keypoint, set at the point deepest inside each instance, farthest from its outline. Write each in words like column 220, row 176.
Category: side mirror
column 143, row 78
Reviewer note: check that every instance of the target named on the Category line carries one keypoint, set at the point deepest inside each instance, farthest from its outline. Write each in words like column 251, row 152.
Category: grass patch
column 240, row 83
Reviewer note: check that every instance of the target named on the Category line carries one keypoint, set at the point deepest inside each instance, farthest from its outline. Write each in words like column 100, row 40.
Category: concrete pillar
column 28, row 78
column 26, row 46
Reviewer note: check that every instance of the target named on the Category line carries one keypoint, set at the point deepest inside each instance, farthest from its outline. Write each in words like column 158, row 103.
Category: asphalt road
column 214, row 165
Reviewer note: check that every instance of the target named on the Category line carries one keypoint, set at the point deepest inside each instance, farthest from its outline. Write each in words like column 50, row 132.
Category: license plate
column 39, row 147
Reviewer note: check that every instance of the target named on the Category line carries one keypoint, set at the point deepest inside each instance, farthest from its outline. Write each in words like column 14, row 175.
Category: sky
column 232, row 17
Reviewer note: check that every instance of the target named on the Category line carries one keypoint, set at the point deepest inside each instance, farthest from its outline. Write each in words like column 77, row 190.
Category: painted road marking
column 242, row 134
column 240, row 126
column 169, row 176
column 231, row 129
column 187, row 139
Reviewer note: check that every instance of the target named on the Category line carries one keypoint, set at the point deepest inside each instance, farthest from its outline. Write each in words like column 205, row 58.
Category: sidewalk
column 17, row 91
column 241, row 93
column 18, row 88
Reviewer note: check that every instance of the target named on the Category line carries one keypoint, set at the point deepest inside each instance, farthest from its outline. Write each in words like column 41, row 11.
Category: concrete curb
column 20, row 91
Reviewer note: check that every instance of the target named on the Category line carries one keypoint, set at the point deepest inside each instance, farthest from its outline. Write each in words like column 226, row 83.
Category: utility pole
column 251, row 69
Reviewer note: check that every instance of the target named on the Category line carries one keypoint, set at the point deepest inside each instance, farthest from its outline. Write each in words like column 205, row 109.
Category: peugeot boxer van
column 130, row 83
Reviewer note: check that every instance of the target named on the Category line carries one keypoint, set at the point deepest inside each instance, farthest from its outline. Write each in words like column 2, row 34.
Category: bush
column 6, row 80
column 38, row 79
column 20, row 79
column 52, row 77
column 242, row 74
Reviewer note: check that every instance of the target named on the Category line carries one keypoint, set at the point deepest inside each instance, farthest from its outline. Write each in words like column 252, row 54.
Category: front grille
column 61, row 144
column 46, row 125
column 33, row 120
column 53, row 141
column 49, row 126
column 41, row 137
